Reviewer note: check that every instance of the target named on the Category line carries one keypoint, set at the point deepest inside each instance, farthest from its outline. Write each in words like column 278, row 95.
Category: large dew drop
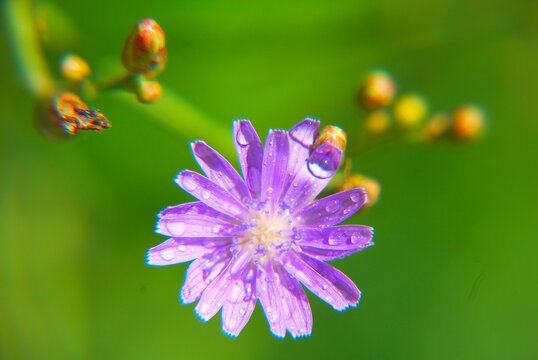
column 324, row 161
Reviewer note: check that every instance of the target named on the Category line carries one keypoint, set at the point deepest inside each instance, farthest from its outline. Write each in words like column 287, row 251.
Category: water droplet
column 186, row 291
column 176, row 229
column 324, row 287
column 324, row 161
column 335, row 238
column 355, row 197
column 242, row 311
column 354, row 239
column 206, row 194
column 167, row 254
column 189, row 183
column 333, row 206
column 241, row 137
column 181, row 248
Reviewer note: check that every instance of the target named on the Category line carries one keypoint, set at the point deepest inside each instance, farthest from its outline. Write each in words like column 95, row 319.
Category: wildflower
column 144, row 50
column 74, row 68
column 377, row 90
column 260, row 237
column 468, row 122
column 409, row 110
column 65, row 114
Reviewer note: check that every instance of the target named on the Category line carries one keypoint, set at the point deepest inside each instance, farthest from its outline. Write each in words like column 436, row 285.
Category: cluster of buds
column 408, row 111
column 144, row 56
column 64, row 115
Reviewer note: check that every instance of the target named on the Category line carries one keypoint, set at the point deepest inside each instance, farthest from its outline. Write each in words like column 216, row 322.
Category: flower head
column 258, row 238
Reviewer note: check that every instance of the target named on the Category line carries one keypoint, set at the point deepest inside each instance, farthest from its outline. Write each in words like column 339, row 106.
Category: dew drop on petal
column 324, row 162
column 181, row 248
column 186, row 291
column 324, row 287
column 176, row 229
column 206, row 194
column 333, row 206
column 242, row 311
column 167, row 254
column 335, row 238
column 355, row 197
column 189, row 183
column 241, row 138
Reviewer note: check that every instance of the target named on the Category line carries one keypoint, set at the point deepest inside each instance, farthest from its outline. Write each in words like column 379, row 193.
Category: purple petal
column 329, row 284
column 302, row 137
column 198, row 208
column 268, row 289
column 201, row 272
column 220, row 171
column 275, row 160
column 332, row 209
column 218, row 290
column 211, row 194
column 295, row 306
column 250, row 152
column 193, row 220
column 336, row 242
column 313, row 176
column 240, row 304
column 178, row 250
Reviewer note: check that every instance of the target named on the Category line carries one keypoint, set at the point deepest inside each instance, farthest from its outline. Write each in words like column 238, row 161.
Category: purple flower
column 260, row 237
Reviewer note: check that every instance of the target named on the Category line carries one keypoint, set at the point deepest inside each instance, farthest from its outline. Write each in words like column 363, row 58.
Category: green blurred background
column 453, row 274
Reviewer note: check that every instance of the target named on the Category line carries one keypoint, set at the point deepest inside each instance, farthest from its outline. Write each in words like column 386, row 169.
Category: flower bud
column 409, row 110
column 436, row 127
column 144, row 50
column 65, row 114
column 334, row 135
column 377, row 90
column 378, row 121
column 372, row 186
column 468, row 122
column 74, row 68
column 148, row 91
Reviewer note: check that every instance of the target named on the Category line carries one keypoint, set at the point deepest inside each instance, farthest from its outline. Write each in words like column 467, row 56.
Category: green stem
column 24, row 41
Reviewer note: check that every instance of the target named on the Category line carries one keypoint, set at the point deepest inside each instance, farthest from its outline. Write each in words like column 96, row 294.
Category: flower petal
column 268, row 291
column 201, row 272
column 240, row 304
column 275, row 160
column 210, row 194
column 302, row 137
column 196, row 208
column 328, row 283
column 218, row 290
column 313, row 176
column 250, row 152
column 178, row 250
column 334, row 242
column 332, row 209
column 220, row 171
column 194, row 223
column 295, row 306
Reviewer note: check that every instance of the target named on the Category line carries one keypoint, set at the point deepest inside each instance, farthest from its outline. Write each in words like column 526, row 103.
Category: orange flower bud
column 144, row 50
column 436, row 127
column 468, row 122
column 74, row 68
column 378, row 121
column 377, row 90
column 409, row 110
column 334, row 135
column 65, row 114
column 149, row 91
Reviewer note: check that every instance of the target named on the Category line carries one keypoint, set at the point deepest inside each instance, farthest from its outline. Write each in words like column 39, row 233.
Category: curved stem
column 24, row 42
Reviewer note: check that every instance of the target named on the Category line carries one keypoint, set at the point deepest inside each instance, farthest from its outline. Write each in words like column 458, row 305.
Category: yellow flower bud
column 334, row 135
column 378, row 121
column 372, row 186
column 436, row 127
column 149, row 91
column 74, row 68
column 144, row 50
column 409, row 110
column 65, row 114
column 468, row 122
column 377, row 90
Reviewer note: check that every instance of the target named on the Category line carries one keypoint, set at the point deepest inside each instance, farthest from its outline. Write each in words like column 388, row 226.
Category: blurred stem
column 178, row 115
column 23, row 37
column 113, row 82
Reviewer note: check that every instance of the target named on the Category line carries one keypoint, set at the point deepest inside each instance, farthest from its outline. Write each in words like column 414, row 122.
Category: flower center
column 267, row 233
